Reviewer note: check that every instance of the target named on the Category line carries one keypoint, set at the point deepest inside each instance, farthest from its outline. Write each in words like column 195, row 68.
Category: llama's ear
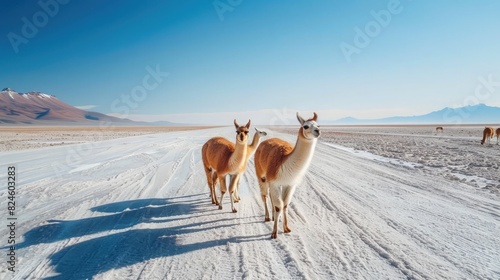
column 248, row 124
column 301, row 119
column 315, row 118
column 236, row 124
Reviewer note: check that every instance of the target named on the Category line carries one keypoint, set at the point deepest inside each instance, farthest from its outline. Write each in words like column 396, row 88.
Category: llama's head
column 262, row 133
column 242, row 131
column 310, row 128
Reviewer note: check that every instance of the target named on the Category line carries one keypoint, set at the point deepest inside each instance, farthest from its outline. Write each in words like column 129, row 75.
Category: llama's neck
column 255, row 142
column 300, row 158
column 237, row 160
column 486, row 134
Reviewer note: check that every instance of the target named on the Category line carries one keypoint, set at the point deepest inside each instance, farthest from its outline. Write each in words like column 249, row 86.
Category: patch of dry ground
column 456, row 153
column 33, row 137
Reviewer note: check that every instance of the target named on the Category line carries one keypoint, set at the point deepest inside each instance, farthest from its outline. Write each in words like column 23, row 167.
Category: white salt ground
column 138, row 208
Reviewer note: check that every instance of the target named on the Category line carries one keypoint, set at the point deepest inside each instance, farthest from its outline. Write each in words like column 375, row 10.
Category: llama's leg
column 215, row 180
column 264, row 193
column 275, row 192
column 232, row 187
column 286, row 229
column 236, row 190
column 208, row 172
column 223, row 189
column 272, row 207
column 287, row 197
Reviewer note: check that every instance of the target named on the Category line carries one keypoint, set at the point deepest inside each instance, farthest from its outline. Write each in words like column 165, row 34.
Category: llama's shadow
column 125, row 214
column 129, row 245
column 89, row 258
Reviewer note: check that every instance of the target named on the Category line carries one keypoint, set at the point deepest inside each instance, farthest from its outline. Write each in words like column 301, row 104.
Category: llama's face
column 262, row 133
column 242, row 132
column 310, row 128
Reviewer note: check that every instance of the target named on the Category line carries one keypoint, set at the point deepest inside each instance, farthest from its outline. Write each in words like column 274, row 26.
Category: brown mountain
column 45, row 109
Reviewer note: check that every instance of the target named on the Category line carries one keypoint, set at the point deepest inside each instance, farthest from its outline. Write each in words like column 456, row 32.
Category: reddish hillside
column 40, row 108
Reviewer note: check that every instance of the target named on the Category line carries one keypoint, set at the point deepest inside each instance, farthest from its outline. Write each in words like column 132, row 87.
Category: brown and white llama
column 221, row 158
column 250, row 150
column 439, row 129
column 498, row 134
column 488, row 133
column 280, row 167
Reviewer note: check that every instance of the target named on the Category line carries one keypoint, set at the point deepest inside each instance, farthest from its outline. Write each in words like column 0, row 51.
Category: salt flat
column 15, row 138
column 456, row 153
column 138, row 208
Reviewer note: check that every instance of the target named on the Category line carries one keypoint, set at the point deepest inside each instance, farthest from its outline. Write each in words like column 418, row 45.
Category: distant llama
column 498, row 134
column 488, row 133
column 439, row 129
column 250, row 150
column 280, row 167
column 221, row 158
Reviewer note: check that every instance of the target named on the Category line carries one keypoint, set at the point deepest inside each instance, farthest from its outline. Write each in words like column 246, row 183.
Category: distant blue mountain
column 476, row 114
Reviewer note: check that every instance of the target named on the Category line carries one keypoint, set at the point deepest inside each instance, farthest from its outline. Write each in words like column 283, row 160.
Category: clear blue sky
column 254, row 56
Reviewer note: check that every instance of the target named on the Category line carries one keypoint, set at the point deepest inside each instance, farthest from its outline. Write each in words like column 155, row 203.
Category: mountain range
column 45, row 109
column 38, row 108
column 472, row 114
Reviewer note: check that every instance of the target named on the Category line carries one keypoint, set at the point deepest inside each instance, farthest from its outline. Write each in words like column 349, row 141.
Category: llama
column 255, row 142
column 250, row 150
column 221, row 158
column 498, row 134
column 439, row 129
column 281, row 167
column 487, row 135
